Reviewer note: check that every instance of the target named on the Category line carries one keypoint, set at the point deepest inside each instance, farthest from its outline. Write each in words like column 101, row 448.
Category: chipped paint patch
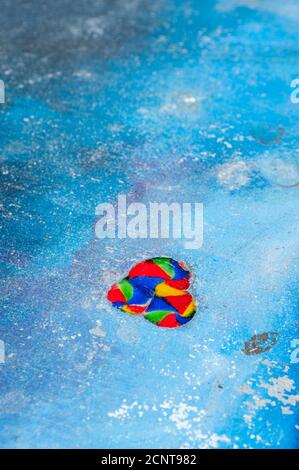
column 279, row 169
column 266, row 135
column 260, row 343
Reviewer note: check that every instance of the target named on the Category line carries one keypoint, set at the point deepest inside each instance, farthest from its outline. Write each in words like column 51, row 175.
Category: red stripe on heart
column 115, row 294
column 181, row 284
column 137, row 308
column 179, row 302
column 148, row 268
column 169, row 322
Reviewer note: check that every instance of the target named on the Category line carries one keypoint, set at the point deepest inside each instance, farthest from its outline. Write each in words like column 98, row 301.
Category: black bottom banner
column 137, row 458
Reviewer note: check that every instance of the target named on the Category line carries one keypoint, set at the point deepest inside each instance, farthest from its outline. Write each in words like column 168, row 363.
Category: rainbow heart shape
column 156, row 289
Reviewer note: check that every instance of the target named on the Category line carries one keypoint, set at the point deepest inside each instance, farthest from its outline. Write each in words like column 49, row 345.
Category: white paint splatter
column 180, row 415
column 280, row 388
column 97, row 330
column 234, row 175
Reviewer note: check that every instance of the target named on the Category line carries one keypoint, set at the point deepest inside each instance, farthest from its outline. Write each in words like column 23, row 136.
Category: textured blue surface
column 166, row 100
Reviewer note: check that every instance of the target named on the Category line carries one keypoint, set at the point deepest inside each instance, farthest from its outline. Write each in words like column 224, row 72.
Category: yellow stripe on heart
column 126, row 308
column 163, row 290
column 189, row 310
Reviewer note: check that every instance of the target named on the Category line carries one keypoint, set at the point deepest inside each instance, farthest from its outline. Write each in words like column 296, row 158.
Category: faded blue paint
column 97, row 107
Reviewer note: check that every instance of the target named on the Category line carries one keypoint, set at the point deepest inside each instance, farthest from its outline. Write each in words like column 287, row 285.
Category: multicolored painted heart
column 157, row 290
